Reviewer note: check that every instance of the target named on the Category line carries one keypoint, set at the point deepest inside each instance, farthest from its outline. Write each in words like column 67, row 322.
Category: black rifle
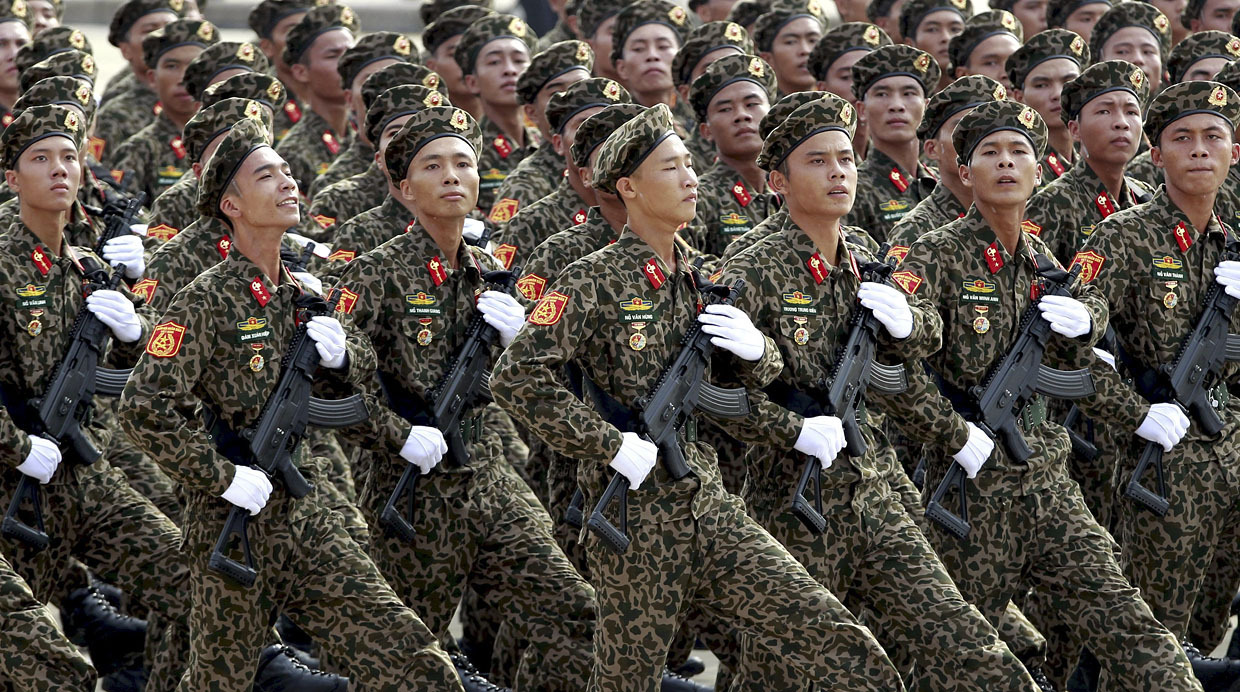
column 467, row 383
column 269, row 445
column 58, row 414
column 1187, row 381
column 680, row 391
column 995, row 406
column 854, row 372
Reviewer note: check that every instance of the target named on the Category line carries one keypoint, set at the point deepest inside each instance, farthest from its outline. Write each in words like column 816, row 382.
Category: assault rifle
column 995, row 406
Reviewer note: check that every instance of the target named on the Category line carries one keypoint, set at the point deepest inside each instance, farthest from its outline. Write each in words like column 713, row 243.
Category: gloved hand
column 310, row 281
column 503, row 312
column 1165, row 424
column 1227, row 273
column 424, row 448
column 329, row 339
column 43, row 459
column 1067, row 315
column 890, row 307
column 976, row 451
column 1106, row 357
column 126, row 250
column 473, row 230
column 115, row 311
column 635, row 459
column 821, row 437
column 250, row 489
column 731, row 330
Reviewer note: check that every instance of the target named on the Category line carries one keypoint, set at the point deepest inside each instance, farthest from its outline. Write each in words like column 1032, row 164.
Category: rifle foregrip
column 614, row 537
column 243, row 574
column 1205, row 415
column 392, row 518
column 854, row 442
column 1082, row 448
column 956, row 525
column 1154, row 500
column 810, row 512
column 1014, row 442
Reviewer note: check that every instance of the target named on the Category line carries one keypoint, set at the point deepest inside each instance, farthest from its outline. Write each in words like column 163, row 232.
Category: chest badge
column 801, row 336
column 257, row 362
column 981, row 325
column 34, row 327
column 425, row 336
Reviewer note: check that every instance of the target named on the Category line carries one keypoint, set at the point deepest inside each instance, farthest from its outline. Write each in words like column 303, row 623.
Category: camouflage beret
column 627, row 147
column 1189, row 98
column 491, row 28
column 997, row 116
column 1058, row 11
column 49, row 42
column 425, row 126
column 128, row 14
column 73, row 63
column 829, row 112
column 38, row 123
column 1229, row 76
column 728, row 70
column 914, row 11
column 450, row 24
column 62, row 91
column 1098, row 79
column 707, row 38
column 246, row 136
column 220, row 117
column 595, row 129
column 266, row 14
column 219, row 58
column 1126, row 14
column 842, row 39
column 892, row 61
column 431, row 10
column 396, row 75
column 182, row 32
column 314, row 24
column 746, row 12
column 980, row 27
column 255, row 86
column 964, row 93
column 781, row 109
column 642, row 12
column 557, row 59
column 371, row 48
column 1199, row 46
column 398, row 101
column 877, row 9
column 592, row 13
column 1192, row 11
column 1041, row 47
column 583, row 95
column 768, row 26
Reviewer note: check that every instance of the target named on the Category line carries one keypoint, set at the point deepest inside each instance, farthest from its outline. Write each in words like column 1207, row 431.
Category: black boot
column 1039, row 676
column 691, row 667
column 125, row 680
column 1233, row 646
column 679, row 683
column 471, row 679
column 294, row 636
column 1085, row 677
column 280, row 671
column 115, row 641
column 1214, row 674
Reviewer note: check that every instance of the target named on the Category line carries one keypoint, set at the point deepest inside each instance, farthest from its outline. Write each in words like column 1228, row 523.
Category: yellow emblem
column 677, row 15
column 431, row 81
column 1170, row 300
column 88, row 65
column 1027, row 116
column 583, row 52
column 274, row 91
column 1218, row 97
column 638, row 341
column 733, row 32
column 517, row 27
column 206, row 31
column 19, row 8
column 433, row 99
column 1137, row 77
column 755, row 67
column 1161, row 23
column 871, row 35
column 1077, row 46
column 176, row 5
column 77, row 39
column 257, row 363
column 34, row 328
column 254, row 111
column 1007, row 20
column 347, row 17
column 960, row 4
column 1000, row 93
column 82, row 94
column 459, row 120
column 245, row 52
column 402, row 46
column 71, row 121
column 981, row 325
column 801, row 336
column 922, row 63
column 612, row 91
column 814, row 8
column 1233, row 47
column 846, row 113
column 797, row 298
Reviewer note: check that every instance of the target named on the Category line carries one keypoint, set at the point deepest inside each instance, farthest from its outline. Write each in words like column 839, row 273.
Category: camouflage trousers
column 488, row 531
column 727, row 566
column 872, row 554
column 1039, row 534
column 35, row 656
column 1212, row 611
column 311, row 570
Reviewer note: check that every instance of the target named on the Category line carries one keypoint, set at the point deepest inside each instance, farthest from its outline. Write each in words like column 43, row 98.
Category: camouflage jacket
column 534, row 178
column 155, row 157
column 499, row 158
column 356, row 159
column 772, row 224
column 1055, row 166
column 543, row 265
column 193, row 250
column 728, row 208
column 620, row 314
column 310, row 147
column 557, row 33
column 1064, row 213
column 341, row 201
column 367, row 231
column 1227, row 205
column 288, row 116
column 885, row 194
column 537, row 222
column 120, row 84
column 703, row 151
column 83, row 229
column 122, row 118
column 935, row 211
column 1142, row 168
column 175, row 209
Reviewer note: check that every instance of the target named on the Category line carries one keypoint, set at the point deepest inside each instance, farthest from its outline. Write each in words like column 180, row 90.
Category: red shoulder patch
column 898, row 251
column 908, row 281
column 165, row 341
column 532, row 286
column 163, row 232
column 549, row 310
column 1090, row 263
column 506, row 254
column 145, row 289
column 348, row 300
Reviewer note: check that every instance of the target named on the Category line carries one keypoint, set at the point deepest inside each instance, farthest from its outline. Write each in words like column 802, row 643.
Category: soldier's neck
column 823, row 232
column 954, row 185
column 446, row 232
column 613, row 212
column 1198, row 208
column 1112, row 176
column 1061, row 142
column 469, row 103
column 650, row 99
column 7, row 98
column 47, row 225
column 659, row 234
column 747, row 167
column 300, row 89
column 336, row 113
column 261, row 246
column 507, row 119
column 903, row 153
column 1004, row 221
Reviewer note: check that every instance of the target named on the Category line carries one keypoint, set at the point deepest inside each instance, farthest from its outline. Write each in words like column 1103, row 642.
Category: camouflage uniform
column 535, row 177
column 310, row 147
column 367, row 231
column 174, row 209
column 535, row 223
column 727, row 208
column 37, row 656
column 935, row 211
column 339, row 202
column 356, row 159
column 1065, row 213
column 122, row 118
column 154, row 159
column 288, row 115
column 886, row 193
column 702, row 40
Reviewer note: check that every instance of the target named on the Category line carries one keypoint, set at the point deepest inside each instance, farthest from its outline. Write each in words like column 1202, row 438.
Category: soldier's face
column 851, row 10
column 48, row 175
column 442, row 180
column 266, row 194
column 1204, row 69
column 839, row 75
column 44, row 14
column 893, row 108
column 169, row 71
column 935, row 32
column 714, row 10
column 444, row 64
column 274, row 46
column 989, row 58
column 1109, row 128
column 1216, row 15
column 600, row 42
column 1003, row 170
column 499, row 65
column 537, row 111
column 354, row 96
column 1032, row 15
column 821, row 179
column 1083, row 19
column 1195, row 153
column 1043, row 86
column 789, row 54
column 942, row 150
column 13, row 35
column 1139, row 47
column 664, row 186
column 646, row 62
column 318, row 66
column 890, row 22
column 732, row 120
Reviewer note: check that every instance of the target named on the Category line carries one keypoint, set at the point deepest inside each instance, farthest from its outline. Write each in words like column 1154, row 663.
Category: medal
column 424, row 337
column 981, row 325
column 1170, row 300
column 637, row 341
column 34, row 328
column 801, row 336
column 257, row 362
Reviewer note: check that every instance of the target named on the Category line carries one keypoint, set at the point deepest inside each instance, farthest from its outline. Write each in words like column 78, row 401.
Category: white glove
column 503, row 312
column 1227, row 273
column 42, row 460
column 1165, row 424
column 890, row 307
column 472, row 230
column 249, row 490
column 328, row 338
column 731, row 330
column 1067, row 315
column 636, row 458
column 1106, row 357
column 821, row 437
column 115, row 311
column 126, row 250
column 310, row 281
column 424, row 448
column 975, row 452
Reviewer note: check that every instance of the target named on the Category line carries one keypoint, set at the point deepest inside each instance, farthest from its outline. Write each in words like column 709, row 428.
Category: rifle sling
column 413, row 408
column 622, row 417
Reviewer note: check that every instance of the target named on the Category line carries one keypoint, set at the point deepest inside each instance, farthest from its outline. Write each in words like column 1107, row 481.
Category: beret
column 964, row 93
column 219, row 58
column 767, row 27
column 266, row 14
column 1198, row 46
column 422, row 128
column 998, row 116
column 583, row 95
column 781, row 109
column 555, row 60
column 398, row 101
column 397, row 74
column 450, row 24
column 705, row 39
column 1098, row 79
column 627, row 146
column 1189, row 98
column 728, row 70
column 1041, row 47
column 72, row 63
column 892, row 61
column 830, row 112
column 980, row 27
column 1058, row 11
column 1126, row 14
column 596, row 128
column 914, row 11
column 255, row 86
column 431, row 10
column 490, row 28
column 315, row 23
column 381, row 45
column 37, row 123
column 244, row 138
column 62, row 91
column 642, row 12
column 46, row 43
column 129, row 13
column 218, row 118
column 182, row 32
column 842, row 39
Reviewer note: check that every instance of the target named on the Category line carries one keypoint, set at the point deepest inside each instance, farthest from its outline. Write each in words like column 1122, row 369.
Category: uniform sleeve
column 922, row 412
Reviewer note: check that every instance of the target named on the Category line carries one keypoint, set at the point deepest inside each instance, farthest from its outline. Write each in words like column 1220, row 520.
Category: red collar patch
column 438, row 273
column 329, row 141
column 994, row 259
column 741, row 194
column 1106, row 206
column 502, row 147
column 292, row 111
column 654, row 274
column 897, row 179
column 1053, row 161
column 1183, row 236
column 817, row 268
column 178, row 147
column 259, row 291
column 41, row 261
column 223, row 246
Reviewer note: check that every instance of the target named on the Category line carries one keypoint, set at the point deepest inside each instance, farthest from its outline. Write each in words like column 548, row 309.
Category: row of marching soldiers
column 555, row 218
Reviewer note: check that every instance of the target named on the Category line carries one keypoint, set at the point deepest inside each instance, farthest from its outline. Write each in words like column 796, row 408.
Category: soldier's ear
column 197, row 168
column 557, row 143
column 229, row 205
column 1235, row 153
column 704, row 129
column 10, row 177
column 471, row 84
column 625, row 189
column 965, row 177
column 931, row 147
column 406, row 190
column 683, row 90
column 299, row 71
column 778, row 181
column 1074, row 129
column 1156, row 156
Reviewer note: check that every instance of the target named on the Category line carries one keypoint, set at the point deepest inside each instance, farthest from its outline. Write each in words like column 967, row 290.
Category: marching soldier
column 784, row 38
column 271, row 21
column 885, row 14
column 440, row 40
column 1030, row 13
column 984, row 46
column 930, row 25
column 15, row 23
column 120, row 118
column 1038, row 72
column 831, row 64
column 705, row 44
column 37, row 657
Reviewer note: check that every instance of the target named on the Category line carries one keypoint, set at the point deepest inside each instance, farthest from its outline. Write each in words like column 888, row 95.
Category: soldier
column 538, row 175
column 155, row 157
column 45, row 14
column 271, row 20
column 119, row 121
column 893, row 83
column 984, row 46
column 14, row 33
column 705, row 44
column 784, row 37
column 730, row 99
column 312, row 50
column 221, row 61
column 644, row 41
column 51, row 42
column 343, row 601
column 929, row 25
column 1030, row 13
column 1139, row 33
column 440, row 40
column 885, row 14
column 677, row 522
column 561, row 31
column 1208, row 15
column 831, row 64
column 1229, row 196
column 711, row 10
column 1077, row 16
column 475, row 519
column 1064, row 553
column 492, row 54
column 1038, row 72
column 595, row 20
column 37, row 655
column 746, row 12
